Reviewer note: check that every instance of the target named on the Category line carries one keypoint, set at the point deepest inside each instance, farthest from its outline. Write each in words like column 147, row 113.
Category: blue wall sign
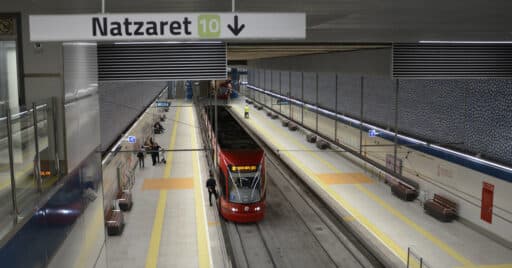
column 132, row 139
column 372, row 132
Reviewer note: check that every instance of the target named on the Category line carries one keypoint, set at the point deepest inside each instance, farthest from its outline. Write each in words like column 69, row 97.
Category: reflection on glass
column 24, row 154
column 8, row 73
column 6, row 215
column 309, row 119
column 244, row 187
column 326, row 126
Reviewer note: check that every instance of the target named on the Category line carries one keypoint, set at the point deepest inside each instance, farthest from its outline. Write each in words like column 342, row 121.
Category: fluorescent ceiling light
column 466, row 42
column 168, row 42
column 412, row 140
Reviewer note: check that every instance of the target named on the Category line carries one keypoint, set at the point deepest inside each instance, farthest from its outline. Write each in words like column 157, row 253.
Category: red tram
column 241, row 167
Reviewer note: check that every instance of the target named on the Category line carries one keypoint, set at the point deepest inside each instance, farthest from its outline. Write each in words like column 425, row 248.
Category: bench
column 115, row 222
column 125, row 200
column 274, row 116
column 269, row 113
column 441, row 208
column 285, row 123
column 292, row 126
column 311, row 137
column 404, row 191
column 321, row 144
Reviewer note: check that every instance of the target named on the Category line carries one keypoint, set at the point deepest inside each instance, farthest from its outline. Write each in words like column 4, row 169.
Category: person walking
column 140, row 156
column 211, row 184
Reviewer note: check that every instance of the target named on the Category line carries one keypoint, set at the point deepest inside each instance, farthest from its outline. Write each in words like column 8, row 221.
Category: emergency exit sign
column 167, row 26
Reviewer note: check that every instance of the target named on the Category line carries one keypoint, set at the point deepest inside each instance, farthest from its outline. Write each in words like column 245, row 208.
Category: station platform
column 366, row 204
column 171, row 223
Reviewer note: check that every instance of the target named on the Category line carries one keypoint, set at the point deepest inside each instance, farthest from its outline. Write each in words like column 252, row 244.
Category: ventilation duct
column 161, row 61
column 452, row 61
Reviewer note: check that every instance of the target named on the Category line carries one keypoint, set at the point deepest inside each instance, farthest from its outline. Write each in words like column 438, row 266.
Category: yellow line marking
column 348, row 218
column 506, row 265
column 85, row 251
column 20, row 179
column 156, row 233
column 443, row 246
column 203, row 248
column 450, row 251
column 384, row 238
column 344, row 178
column 168, row 184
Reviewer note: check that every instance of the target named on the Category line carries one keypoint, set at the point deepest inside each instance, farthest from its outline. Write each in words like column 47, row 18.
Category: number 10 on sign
column 208, row 26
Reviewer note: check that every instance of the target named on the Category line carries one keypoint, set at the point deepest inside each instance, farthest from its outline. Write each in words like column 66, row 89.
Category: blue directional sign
column 163, row 104
column 132, row 139
column 372, row 132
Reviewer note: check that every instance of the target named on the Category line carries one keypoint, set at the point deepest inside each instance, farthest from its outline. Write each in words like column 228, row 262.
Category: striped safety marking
column 168, row 184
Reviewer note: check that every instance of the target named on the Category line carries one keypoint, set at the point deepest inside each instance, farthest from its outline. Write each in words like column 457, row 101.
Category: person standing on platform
column 246, row 111
column 157, row 152
column 140, row 156
column 211, row 184
column 154, row 153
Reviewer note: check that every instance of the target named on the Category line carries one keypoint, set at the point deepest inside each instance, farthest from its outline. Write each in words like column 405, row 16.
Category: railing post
column 37, row 164
column 11, row 166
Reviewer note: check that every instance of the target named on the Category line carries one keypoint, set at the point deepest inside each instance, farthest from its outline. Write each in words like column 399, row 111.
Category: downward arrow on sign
column 235, row 29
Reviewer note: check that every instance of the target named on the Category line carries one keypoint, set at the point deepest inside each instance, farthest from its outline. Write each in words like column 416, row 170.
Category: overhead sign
column 132, row 139
column 167, row 26
column 372, row 132
column 163, row 104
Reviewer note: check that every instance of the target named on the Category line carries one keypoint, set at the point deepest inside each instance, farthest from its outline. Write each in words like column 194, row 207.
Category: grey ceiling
column 331, row 20
column 372, row 22
column 364, row 20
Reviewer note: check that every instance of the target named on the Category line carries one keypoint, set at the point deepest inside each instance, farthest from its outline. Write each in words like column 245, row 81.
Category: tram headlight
column 257, row 208
column 234, row 209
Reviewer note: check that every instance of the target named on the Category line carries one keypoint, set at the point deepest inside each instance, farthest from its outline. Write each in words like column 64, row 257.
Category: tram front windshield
column 244, row 187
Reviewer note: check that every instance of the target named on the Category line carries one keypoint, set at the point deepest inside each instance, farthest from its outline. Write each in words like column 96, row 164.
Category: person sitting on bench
column 158, row 128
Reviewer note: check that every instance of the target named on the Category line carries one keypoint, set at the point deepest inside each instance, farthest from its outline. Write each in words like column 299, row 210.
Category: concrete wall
column 120, row 104
column 434, row 175
column 126, row 161
column 469, row 115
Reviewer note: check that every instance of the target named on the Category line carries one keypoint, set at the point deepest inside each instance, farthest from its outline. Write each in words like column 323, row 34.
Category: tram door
column 487, row 200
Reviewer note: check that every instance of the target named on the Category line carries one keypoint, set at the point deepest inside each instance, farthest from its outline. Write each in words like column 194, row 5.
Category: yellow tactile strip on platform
column 168, row 184
column 344, row 178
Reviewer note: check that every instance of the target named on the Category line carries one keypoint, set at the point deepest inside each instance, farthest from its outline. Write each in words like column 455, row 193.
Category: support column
column 316, row 103
column 302, row 96
column 336, row 109
column 361, row 120
column 396, row 126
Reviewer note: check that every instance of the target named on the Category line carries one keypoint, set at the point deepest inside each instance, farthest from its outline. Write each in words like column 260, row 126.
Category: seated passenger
column 158, row 128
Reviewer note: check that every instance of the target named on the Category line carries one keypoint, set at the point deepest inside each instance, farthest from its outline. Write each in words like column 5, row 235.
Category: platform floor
column 392, row 224
column 171, row 223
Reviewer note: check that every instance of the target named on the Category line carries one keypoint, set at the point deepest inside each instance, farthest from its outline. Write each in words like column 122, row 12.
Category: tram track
column 299, row 229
